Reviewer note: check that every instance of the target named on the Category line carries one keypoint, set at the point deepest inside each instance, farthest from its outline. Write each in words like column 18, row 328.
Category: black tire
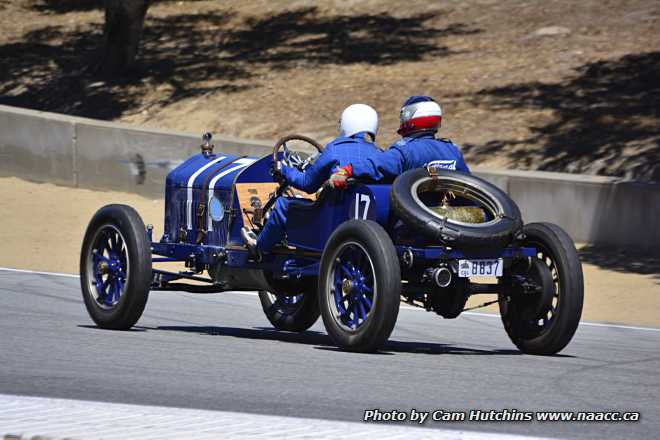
column 289, row 311
column 125, row 225
column 551, row 330
column 376, row 254
column 496, row 233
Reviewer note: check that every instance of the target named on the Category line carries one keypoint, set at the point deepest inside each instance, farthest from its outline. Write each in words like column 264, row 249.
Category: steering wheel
column 292, row 159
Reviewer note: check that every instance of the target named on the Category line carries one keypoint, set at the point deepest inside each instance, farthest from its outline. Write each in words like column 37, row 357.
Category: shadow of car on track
column 322, row 342
column 132, row 329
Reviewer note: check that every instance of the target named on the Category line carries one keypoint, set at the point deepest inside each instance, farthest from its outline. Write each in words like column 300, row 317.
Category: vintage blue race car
column 350, row 255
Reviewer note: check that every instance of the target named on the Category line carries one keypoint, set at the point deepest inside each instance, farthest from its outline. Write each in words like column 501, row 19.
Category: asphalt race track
column 219, row 352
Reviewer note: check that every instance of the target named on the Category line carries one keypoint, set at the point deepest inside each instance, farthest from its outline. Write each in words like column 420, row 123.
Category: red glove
column 339, row 179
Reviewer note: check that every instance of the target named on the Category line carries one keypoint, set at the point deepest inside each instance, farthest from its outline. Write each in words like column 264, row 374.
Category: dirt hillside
column 552, row 85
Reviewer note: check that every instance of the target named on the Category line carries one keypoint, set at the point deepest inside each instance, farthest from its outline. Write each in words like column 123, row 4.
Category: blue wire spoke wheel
column 115, row 267
column 108, row 267
column 359, row 286
column 354, row 288
column 291, row 302
column 292, row 305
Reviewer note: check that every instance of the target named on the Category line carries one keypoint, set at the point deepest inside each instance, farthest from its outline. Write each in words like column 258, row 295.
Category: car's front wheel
column 359, row 286
column 115, row 267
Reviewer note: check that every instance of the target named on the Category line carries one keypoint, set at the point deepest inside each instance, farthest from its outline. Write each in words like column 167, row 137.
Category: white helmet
column 358, row 117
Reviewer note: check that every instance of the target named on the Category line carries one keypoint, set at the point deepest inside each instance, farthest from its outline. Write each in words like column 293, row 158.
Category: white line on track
column 416, row 309
column 63, row 418
column 35, row 272
column 582, row 323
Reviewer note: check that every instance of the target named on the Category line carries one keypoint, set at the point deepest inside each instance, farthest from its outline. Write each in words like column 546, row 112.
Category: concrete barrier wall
column 36, row 145
column 594, row 209
column 66, row 150
column 49, row 147
column 137, row 160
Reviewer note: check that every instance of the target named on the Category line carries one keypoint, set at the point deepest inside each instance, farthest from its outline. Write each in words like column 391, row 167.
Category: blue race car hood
column 201, row 172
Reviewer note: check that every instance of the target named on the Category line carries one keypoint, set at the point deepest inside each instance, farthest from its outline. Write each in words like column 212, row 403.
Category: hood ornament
column 207, row 146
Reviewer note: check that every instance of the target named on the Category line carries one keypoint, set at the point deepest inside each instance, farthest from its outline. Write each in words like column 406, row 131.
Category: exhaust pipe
column 442, row 276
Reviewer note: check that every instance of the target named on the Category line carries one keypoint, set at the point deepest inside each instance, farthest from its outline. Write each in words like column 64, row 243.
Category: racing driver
column 420, row 118
column 352, row 154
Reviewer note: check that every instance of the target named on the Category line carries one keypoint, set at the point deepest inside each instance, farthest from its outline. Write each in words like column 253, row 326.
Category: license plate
column 480, row 268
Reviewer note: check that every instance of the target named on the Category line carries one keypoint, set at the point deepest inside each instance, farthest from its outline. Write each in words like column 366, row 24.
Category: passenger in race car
column 421, row 118
column 352, row 154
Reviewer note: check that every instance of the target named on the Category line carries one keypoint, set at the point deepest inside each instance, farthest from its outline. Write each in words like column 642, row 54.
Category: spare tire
column 503, row 216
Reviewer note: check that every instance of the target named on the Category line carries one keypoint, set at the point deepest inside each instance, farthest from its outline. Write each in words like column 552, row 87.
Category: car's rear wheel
column 115, row 267
column 543, row 317
column 359, row 286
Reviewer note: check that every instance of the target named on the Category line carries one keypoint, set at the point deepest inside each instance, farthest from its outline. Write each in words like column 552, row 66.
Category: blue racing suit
column 418, row 150
column 355, row 150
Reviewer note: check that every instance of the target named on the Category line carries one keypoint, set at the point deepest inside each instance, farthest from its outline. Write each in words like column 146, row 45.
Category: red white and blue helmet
column 419, row 113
